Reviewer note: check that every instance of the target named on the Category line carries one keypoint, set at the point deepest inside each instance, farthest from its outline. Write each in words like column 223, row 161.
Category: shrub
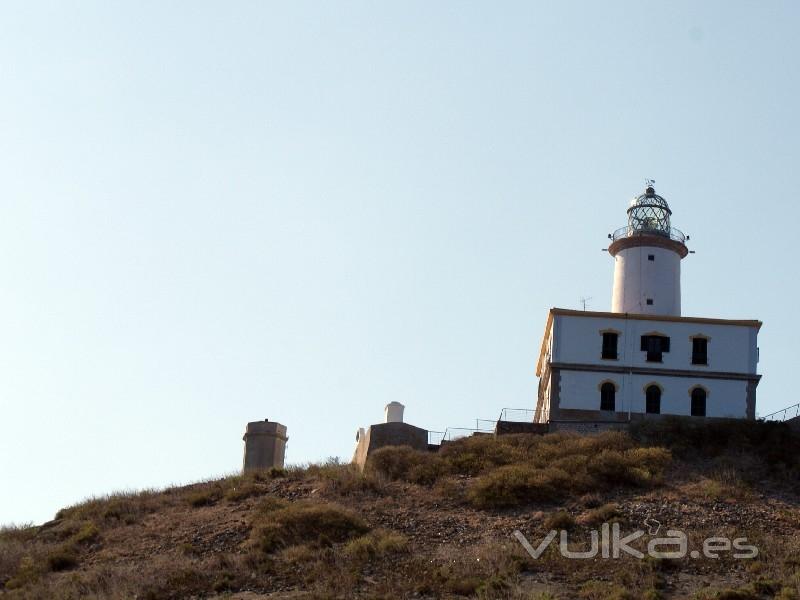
column 375, row 544
column 204, row 497
column 474, row 455
column 403, row 462
column 606, row 513
column 591, row 500
column 787, row 593
column 177, row 582
column 28, row 572
column 243, row 491
column 597, row 590
column 86, row 534
column 269, row 505
column 304, row 522
column 517, row 484
column 62, row 559
column 463, row 587
column 559, row 520
column 345, row 479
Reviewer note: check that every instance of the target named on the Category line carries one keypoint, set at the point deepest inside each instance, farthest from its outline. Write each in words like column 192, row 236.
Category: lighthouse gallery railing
column 673, row 234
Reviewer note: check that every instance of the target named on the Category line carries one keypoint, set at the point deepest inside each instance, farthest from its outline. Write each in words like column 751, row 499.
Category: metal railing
column 518, row 415
column 435, row 438
column 673, row 234
column 790, row 412
column 485, row 424
column 455, row 433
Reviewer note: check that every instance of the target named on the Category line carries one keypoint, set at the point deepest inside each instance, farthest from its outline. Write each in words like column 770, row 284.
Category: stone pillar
column 264, row 445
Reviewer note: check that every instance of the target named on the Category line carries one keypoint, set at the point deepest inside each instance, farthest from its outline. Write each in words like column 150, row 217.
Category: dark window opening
column 651, row 257
column 698, row 402
column 653, row 400
column 610, row 345
column 699, row 351
column 649, row 302
column 655, row 346
column 608, row 395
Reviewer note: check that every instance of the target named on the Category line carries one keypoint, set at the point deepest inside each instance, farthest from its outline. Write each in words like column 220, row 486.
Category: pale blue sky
column 212, row 213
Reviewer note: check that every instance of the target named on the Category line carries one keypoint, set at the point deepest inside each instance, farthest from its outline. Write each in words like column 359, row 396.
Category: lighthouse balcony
column 642, row 229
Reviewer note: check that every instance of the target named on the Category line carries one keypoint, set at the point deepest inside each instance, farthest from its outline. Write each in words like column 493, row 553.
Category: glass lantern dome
column 649, row 213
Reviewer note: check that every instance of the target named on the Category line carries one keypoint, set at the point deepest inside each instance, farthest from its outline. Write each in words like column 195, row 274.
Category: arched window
column 698, row 402
column 653, row 399
column 608, row 395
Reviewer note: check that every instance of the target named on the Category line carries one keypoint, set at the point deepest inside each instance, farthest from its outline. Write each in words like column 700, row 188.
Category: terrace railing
column 790, row 412
column 518, row 415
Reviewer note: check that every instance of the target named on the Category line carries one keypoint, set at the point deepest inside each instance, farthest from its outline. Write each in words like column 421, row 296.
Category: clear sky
column 213, row 213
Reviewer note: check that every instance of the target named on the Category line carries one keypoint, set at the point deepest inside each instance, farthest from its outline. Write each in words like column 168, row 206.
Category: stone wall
column 587, row 427
column 511, row 427
column 794, row 423
column 389, row 434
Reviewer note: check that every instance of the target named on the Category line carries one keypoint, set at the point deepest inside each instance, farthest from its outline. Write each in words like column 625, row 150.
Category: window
column 649, row 302
column 698, row 402
column 653, row 400
column 610, row 345
column 699, row 351
column 651, row 257
column 608, row 393
column 655, row 345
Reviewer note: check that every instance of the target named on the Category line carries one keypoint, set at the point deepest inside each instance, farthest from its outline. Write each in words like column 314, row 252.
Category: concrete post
column 264, row 445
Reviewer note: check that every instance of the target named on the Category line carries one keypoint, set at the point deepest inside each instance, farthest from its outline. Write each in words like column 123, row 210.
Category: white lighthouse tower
column 647, row 259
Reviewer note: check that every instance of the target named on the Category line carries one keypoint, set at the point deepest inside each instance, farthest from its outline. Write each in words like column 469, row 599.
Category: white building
column 643, row 358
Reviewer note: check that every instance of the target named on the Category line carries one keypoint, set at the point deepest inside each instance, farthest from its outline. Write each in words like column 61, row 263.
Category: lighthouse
column 647, row 259
column 643, row 358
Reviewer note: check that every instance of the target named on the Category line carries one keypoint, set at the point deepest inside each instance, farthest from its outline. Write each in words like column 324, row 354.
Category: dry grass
column 122, row 508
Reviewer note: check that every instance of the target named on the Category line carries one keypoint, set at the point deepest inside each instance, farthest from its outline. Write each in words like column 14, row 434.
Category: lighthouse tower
column 647, row 259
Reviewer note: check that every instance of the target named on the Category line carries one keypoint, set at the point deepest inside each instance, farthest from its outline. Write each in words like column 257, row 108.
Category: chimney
column 394, row 412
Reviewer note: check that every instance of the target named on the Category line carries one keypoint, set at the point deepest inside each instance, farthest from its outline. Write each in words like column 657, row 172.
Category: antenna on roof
column 584, row 301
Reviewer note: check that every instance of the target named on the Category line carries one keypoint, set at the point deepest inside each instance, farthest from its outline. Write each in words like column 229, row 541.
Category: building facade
column 643, row 358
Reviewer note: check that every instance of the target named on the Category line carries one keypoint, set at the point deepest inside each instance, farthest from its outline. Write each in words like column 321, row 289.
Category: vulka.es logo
column 609, row 543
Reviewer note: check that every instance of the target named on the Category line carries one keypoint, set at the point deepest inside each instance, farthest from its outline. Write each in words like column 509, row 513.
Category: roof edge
column 668, row 318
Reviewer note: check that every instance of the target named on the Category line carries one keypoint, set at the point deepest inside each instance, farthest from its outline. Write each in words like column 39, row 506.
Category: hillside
column 441, row 525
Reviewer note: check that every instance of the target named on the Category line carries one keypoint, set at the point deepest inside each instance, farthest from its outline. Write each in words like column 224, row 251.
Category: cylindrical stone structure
column 647, row 259
column 264, row 445
column 394, row 412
